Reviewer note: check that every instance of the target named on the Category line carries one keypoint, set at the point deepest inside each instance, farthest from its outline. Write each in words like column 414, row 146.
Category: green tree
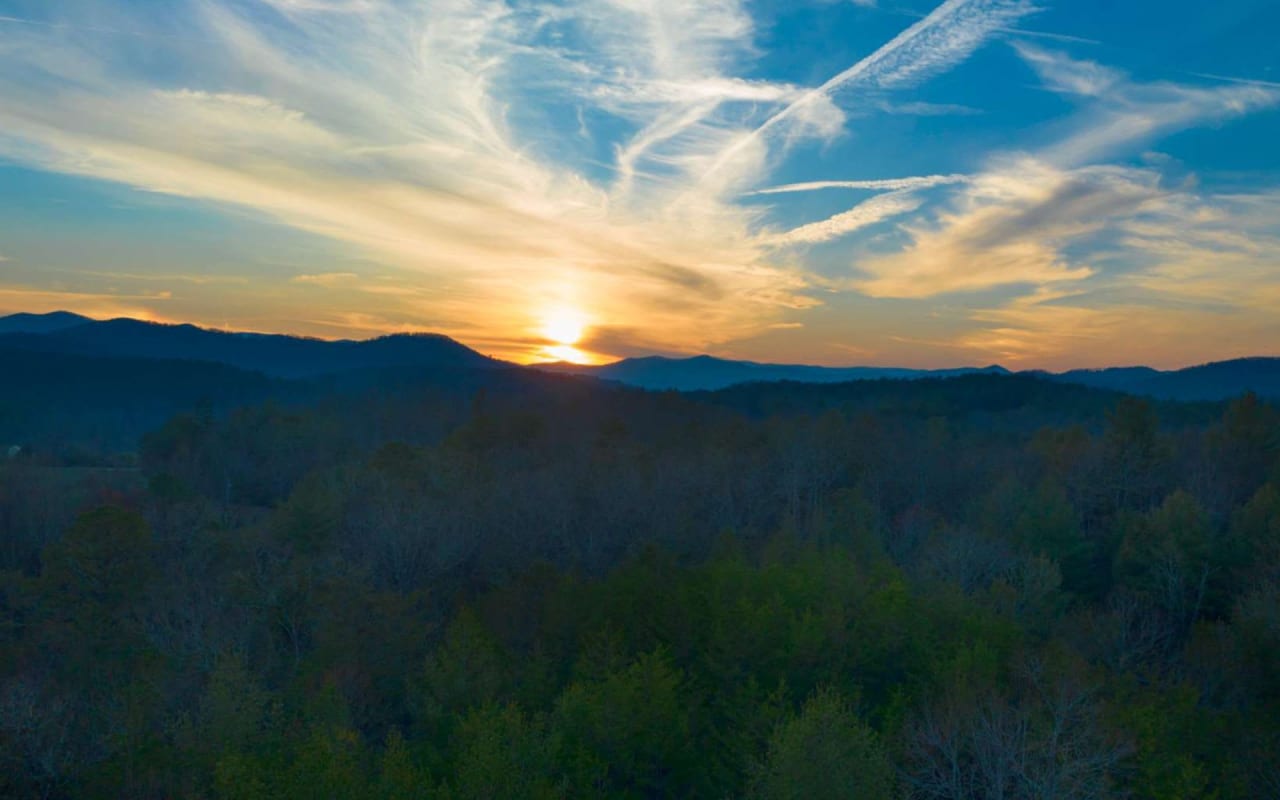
column 499, row 752
column 1245, row 447
column 1255, row 532
column 628, row 734
column 824, row 752
column 1168, row 556
column 401, row 774
column 235, row 711
column 1133, row 454
column 105, row 562
column 467, row 670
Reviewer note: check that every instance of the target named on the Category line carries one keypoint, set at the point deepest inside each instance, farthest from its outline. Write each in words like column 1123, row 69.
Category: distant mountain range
column 272, row 354
column 297, row 357
column 41, row 323
column 1206, row 382
column 710, row 373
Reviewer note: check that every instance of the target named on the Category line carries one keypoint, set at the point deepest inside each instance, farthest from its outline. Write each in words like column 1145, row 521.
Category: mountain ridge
column 23, row 322
column 708, row 373
column 278, row 355
column 1212, row 381
column 286, row 356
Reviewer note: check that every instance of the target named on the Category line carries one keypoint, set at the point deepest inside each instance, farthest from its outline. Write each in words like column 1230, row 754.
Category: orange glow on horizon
column 564, row 326
column 568, row 354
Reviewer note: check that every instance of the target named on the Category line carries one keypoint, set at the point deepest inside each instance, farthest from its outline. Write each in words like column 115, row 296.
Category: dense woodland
column 981, row 587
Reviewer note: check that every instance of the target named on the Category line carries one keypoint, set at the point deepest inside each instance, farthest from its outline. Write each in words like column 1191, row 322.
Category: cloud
column 923, row 109
column 1124, row 114
column 1054, row 331
column 1056, row 37
column 1066, row 75
column 330, row 6
column 426, row 136
column 500, row 158
column 938, row 41
column 391, row 130
column 888, row 184
column 1244, row 81
column 863, row 215
column 1028, row 218
column 166, row 277
column 99, row 305
column 1009, row 227
column 1178, row 277
column 328, row 280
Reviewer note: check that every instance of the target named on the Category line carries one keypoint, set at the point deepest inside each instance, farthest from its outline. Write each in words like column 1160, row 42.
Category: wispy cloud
column 1050, row 36
column 100, row 305
column 411, row 130
column 1051, row 330
column 503, row 157
column 1236, row 79
column 1068, row 75
column 1101, row 259
column 863, row 215
column 1019, row 222
column 339, row 6
column 938, row 41
column 1125, row 114
column 917, row 108
column 888, row 184
column 1008, row 229
column 166, row 277
column 328, row 280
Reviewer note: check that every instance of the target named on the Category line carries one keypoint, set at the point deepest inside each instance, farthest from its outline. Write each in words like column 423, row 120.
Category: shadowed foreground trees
column 944, row 590
column 824, row 751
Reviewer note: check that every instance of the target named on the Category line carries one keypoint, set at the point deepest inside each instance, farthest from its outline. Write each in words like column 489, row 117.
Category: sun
column 564, row 326
column 567, row 354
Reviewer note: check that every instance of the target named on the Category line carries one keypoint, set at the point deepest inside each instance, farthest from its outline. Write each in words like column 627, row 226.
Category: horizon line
column 621, row 359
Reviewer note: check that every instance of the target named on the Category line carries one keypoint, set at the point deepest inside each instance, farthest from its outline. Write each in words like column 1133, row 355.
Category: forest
column 541, row 586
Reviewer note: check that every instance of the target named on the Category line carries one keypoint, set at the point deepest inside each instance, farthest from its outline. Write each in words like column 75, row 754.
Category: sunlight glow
column 564, row 326
column 567, row 353
column 712, row 199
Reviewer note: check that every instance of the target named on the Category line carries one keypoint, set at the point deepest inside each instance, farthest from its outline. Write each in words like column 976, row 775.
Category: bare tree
column 1044, row 740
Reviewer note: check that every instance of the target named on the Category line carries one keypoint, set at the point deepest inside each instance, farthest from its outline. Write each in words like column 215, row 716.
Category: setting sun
column 568, row 354
column 564, row 326
column 680, row 398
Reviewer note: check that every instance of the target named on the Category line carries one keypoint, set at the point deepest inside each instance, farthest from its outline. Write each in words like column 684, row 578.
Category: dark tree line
column 987, row 587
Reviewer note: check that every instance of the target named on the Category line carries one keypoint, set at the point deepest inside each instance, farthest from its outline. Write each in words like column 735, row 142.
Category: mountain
column 1205, row 382
column 40, row 323
column 52, row 398
column 710, row 373
column 272, row 354
column 1119, row 379
column 298, row 357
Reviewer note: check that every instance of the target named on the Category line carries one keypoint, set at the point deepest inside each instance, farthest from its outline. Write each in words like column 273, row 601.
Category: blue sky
column 1039, row 184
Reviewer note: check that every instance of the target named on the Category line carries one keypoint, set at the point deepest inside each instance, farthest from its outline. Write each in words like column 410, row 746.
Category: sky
column 1048, row 184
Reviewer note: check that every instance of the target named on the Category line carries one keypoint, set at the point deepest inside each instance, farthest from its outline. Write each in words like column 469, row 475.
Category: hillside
column 705, row 372
column 273, row 354
column 1204, row 382
column 284, row 356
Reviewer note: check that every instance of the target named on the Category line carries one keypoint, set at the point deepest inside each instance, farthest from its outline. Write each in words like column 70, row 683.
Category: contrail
column 887, row 184
column 948, row 34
